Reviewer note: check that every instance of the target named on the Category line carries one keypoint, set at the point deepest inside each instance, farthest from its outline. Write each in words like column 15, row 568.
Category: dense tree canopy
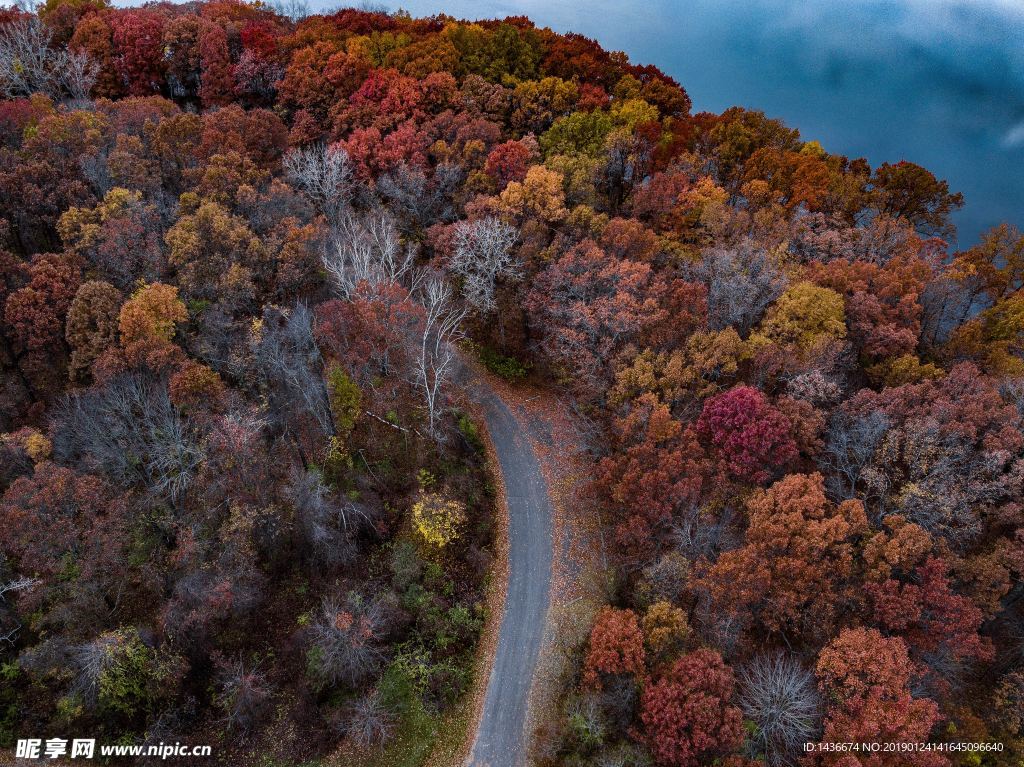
column 242, row 254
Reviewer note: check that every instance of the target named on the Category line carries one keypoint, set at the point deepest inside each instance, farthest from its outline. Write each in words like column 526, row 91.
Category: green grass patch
column 422, row 738
column 414, row 738
column 416, row 728
column 509, row 368
column 470, row 432
column 9, row 704
column 455, row 724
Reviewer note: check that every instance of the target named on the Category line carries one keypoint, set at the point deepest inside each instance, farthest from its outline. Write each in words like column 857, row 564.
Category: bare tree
column 290, row 362
column 665, row 579
column 25, row 65
column 14, row 463
column 165, row 725
column 1012, row 390
column 705, row 533
column 850, row 445
column 325, row 176
column 131, row 430
column 483, row 255
column 192, row 612
column 76, row 74
column 346, row 640
column 370, row 251
column 29, row 65
column 722, row 629
column 326, row 523
column 918, row 469
column 242, row 694
column 294, row 10
column 619, row 697
column 436, row 356
column 369, row 721
column 587, row 718
column 419, row 200
column 945, row 304
column 91, row 660
column 18, row 584
column 741, row 283
column 621, row 754
column 10, row 635
column 780, row 697
column 938, row 480
column 9, row 628
column 815, row 387
column 1009, row 698
column 881, row 239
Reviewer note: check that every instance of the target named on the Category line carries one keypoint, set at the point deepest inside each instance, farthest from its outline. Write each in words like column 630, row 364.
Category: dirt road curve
column 501, row 739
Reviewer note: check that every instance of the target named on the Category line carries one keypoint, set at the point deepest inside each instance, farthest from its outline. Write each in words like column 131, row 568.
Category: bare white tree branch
column 436, row 358
column 18, row 584
column 781, row 697
column 92, row 659
column 370, row 251
column 325, row 175
column 29, row 65
column 482, row 255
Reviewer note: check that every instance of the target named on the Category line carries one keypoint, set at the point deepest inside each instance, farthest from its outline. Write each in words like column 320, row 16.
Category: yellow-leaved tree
column 438, row 518
column 151, row 314
column 802, row 317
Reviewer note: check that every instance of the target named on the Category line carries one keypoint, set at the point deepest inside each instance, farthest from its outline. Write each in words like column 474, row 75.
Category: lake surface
column 938, row 83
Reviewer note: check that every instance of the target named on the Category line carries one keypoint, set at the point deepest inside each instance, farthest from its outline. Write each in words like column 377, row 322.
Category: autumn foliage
column 688, row 712
column 242, row 257
column 751, row 437
column 616, row 645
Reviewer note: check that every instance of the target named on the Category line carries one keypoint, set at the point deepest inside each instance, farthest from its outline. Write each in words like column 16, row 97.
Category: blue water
column 938, row 83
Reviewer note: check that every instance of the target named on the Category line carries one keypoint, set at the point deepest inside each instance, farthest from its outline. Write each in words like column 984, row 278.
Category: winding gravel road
column 501, row 738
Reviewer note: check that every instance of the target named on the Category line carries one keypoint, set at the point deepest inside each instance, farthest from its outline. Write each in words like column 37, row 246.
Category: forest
column 244, row 254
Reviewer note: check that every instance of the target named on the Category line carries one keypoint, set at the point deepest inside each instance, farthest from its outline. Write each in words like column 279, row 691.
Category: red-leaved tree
column 688, row 719
column 616, row 646
column 752, row 438
column 866, row 676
